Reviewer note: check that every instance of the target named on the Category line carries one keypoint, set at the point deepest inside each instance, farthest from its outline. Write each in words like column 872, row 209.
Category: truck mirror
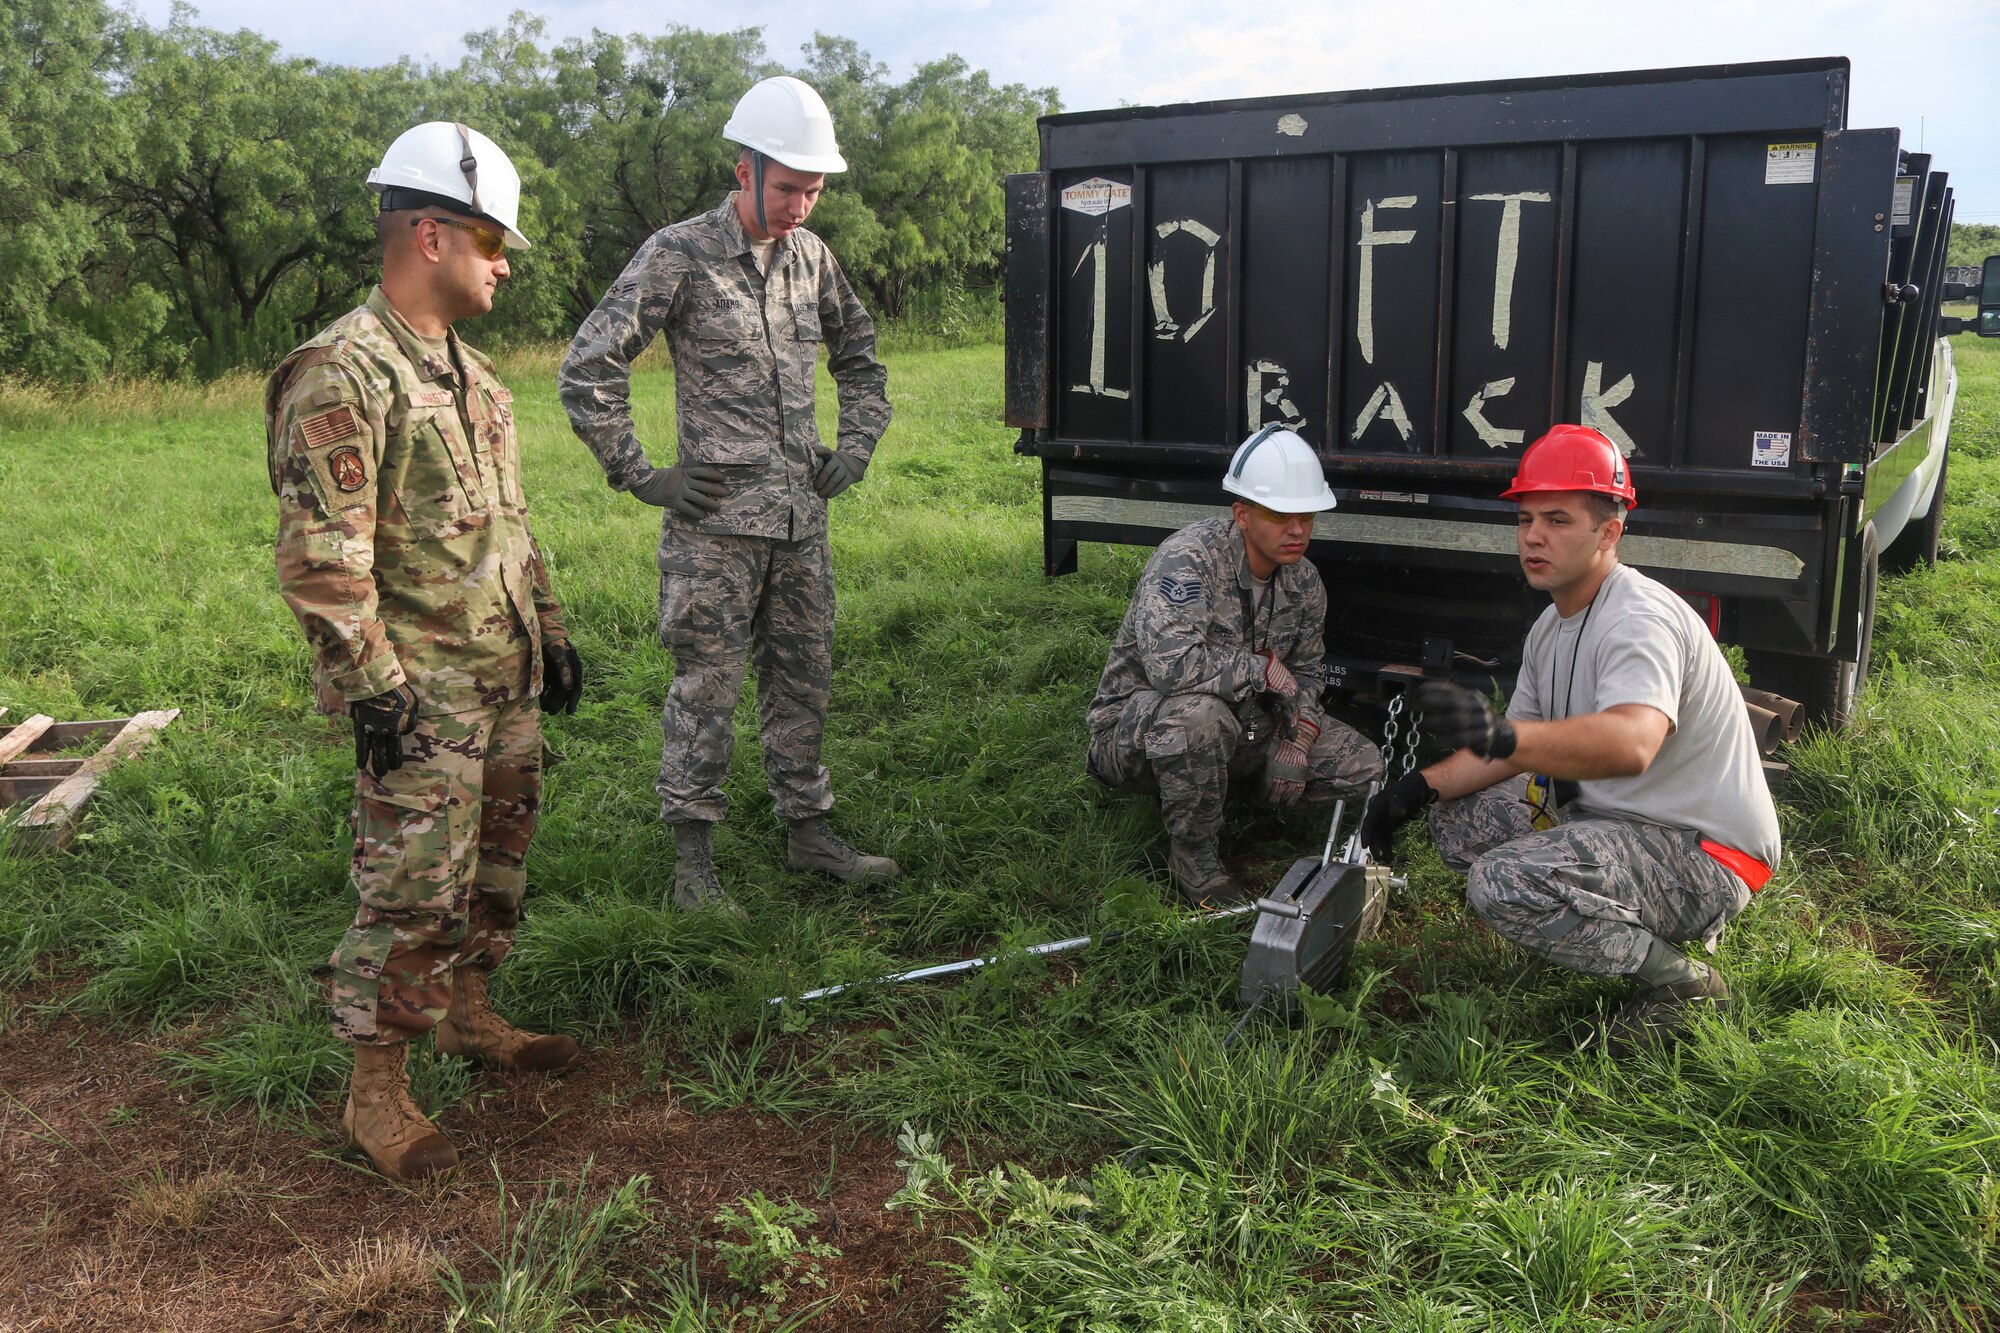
column 1989, row 298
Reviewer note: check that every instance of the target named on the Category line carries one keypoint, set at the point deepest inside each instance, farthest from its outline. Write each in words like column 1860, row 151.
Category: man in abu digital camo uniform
column 403, row 549
column 746, row 297
column 1202, row 691
column 1619, row 808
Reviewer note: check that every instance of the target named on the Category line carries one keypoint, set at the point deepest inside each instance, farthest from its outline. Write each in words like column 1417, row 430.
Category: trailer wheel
column 1827, row 687
column 1917, row 543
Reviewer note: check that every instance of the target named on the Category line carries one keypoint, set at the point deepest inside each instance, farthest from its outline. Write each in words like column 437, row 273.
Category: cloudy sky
column 1928, row 67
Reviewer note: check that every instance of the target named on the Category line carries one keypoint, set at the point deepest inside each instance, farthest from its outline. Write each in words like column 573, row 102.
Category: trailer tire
column 1826, row 687
column 1917, row 543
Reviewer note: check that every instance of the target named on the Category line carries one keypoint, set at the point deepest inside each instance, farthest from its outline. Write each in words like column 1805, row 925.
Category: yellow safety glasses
column 489, row 244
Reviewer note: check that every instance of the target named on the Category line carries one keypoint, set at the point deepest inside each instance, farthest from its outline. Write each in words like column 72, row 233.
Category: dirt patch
column 125, row 1203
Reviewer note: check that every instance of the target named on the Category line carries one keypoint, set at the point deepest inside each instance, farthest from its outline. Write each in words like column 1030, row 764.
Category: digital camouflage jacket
column 744, row 348
column 403, row 544
column 1189, row 629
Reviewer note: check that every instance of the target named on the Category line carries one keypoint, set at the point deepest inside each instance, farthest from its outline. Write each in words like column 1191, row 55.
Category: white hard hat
column 1280, row 471
column 455, row 164
column 786, row 121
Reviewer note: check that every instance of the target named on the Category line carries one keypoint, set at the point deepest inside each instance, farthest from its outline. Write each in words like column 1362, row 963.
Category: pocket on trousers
column 1093, row 753
column 690, row 609
column 405, row 848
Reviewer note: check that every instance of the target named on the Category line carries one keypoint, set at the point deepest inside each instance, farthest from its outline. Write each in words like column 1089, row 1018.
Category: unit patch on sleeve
column 337, row 456
column 347, row 469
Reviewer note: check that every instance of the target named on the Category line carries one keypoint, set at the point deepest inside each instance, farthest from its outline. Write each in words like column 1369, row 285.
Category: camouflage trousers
column 1591, row 893
column 1190, row 749
column 726, row 601
column 440, row 846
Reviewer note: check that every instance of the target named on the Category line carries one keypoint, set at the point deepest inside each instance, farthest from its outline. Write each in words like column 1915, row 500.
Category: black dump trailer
column 1705, row 264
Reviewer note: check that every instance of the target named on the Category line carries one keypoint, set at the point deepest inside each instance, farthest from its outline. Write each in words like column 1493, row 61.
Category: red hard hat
column 1573, row 458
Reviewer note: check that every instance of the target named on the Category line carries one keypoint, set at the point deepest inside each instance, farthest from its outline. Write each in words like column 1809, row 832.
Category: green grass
column 1426, row 1153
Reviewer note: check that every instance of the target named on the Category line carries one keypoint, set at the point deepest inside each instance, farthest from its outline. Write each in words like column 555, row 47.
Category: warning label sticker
column 1771, row 448
column 1096, row 196
column 1906, row 190
column 1790, row 163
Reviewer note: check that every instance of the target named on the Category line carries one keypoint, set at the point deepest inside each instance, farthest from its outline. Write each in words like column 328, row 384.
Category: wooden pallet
column 41, row 792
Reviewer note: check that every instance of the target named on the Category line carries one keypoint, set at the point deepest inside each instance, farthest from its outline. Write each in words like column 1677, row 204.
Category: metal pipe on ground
column 1053, row 947
column 1048, row 949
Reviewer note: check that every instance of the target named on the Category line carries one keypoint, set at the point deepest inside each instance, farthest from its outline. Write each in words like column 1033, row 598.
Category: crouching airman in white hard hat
column 746, row 297
column 1213, row 683
column 404, row 551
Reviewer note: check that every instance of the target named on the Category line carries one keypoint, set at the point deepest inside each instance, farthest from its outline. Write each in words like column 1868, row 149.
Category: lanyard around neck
column 1569, row 691
column 1250, row 613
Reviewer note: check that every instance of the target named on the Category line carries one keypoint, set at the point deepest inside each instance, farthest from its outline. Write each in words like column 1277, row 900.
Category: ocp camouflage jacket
column 1187, row 632
column 403, row 544
column 744, row 348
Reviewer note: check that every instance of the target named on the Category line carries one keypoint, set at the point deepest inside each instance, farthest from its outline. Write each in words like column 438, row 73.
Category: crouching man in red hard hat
column 1619, row 809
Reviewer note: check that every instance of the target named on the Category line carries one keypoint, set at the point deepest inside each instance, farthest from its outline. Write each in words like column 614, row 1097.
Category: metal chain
column 1389, row 733
column 1392, row 729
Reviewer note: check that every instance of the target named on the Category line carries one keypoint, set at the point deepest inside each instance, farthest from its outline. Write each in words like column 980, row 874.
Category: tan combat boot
column 1658, row 1016
column 814, row 846
column 1200, row 876
column 471, row 1028
column 696, row 888
column 383, row 1122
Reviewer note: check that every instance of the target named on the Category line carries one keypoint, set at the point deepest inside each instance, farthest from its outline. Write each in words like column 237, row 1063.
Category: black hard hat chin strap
column 757, row 184
column 469, row 164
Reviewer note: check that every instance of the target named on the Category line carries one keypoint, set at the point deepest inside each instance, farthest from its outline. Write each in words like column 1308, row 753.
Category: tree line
column 1970, row 243
column 181, row 200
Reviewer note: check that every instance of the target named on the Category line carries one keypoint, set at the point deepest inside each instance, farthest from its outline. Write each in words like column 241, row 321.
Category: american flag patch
column 323, row 428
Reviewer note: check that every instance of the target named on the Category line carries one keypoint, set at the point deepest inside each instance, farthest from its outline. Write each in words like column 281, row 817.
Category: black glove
column 1393, row 807
column 1459, row 719
column 692, row 490
column 562, row 677
column 380, row 724
column 837, row 470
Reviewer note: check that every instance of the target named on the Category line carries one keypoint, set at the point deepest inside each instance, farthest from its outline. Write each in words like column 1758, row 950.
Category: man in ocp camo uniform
column 403, row 549
column 746, row 297
column 1212, row 687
